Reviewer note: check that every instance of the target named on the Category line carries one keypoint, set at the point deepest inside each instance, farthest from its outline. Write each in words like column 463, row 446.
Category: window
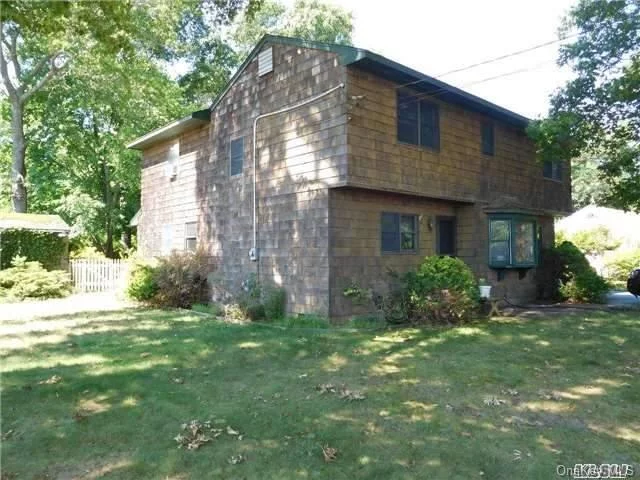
column 399, row 232
column 446, row 236
column 513, row 242
column 167, row 239
column 236, row 154
column 190, row 236
column 418, row 121
column 488, row 139
column 173, row 157
column 552, row 170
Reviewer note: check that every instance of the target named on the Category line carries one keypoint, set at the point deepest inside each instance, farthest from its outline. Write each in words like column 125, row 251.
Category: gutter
column 253, row 252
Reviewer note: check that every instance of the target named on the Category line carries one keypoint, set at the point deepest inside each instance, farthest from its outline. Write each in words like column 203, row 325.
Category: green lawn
column 507, row 399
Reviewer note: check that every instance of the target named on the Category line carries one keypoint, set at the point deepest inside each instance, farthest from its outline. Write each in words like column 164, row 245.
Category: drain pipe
column 253, row 253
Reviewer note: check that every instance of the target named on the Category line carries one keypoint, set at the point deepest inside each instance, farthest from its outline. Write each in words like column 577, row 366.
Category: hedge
column 50, row 249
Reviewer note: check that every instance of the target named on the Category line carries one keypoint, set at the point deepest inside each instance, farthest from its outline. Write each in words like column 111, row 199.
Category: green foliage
column 142, row 284
column 588, row 187
column 596, row 112
column 30, row 280
column 621, row 264
column 47, row 248
column 595, row 241
column 274, row 301
column 442, row 290
column 181, row 279
column 578, row 281
column 307, row 19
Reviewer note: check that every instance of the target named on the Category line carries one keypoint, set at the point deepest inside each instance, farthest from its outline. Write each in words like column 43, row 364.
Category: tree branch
column 53, row 71
column 4, row 71
column 13, row 53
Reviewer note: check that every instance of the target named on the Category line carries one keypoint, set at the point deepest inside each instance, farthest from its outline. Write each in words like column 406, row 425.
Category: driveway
column 78, row 303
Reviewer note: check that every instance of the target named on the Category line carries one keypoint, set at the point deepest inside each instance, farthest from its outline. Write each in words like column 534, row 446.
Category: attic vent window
column 265, row 61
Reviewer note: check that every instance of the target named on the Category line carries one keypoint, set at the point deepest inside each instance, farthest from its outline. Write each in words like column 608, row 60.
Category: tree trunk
column 18, row 170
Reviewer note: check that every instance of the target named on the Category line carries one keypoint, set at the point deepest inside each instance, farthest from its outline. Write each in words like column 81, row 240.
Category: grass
column 511, row 398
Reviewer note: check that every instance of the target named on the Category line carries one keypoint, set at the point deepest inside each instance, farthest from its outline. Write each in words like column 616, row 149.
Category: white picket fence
column 98, row 274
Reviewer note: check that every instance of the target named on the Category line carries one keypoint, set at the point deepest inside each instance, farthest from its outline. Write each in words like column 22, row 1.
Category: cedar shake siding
column 330, row 171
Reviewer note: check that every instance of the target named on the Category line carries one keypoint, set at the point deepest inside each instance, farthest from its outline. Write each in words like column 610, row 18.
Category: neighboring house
column 378, row 174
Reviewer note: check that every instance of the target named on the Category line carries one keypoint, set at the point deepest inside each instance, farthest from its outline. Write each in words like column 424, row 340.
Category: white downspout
column 253, row 253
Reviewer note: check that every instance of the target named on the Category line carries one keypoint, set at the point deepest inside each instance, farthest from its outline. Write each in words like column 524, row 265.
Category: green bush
column 50, row 249
column 441, row 290
column 274, row 300
column 619, row 267
column 30, row 280
column 179, row 280
column 578, row 281
column 142, row 284
column 595, row 241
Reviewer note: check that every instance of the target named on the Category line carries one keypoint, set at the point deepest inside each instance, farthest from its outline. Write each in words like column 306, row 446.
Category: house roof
column 33, row 221
column 349, row 56
column 171, row 130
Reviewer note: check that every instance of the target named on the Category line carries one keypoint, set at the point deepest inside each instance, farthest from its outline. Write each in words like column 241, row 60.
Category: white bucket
column 485, row 291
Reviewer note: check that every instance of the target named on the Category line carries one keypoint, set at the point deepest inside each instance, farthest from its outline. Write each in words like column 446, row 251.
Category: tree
column 587, row 183
column 307, row 19
column 596, row 113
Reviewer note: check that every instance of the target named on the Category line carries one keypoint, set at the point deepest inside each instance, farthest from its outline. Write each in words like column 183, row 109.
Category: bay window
column 513, row 241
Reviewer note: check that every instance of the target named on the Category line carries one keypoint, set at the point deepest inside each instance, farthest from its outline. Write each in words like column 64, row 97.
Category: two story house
column 324, row 165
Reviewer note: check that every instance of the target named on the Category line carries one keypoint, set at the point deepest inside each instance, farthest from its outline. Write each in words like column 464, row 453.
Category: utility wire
column 495, row 59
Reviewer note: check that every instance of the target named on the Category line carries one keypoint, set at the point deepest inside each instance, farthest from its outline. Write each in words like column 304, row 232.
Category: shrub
column 181, row 279
column 441, row 290
column 595, row 241
column 142, row 284
column 45, row 247
column 579, row 282
column 274, row 301
column 30, row 280
column 619, row 267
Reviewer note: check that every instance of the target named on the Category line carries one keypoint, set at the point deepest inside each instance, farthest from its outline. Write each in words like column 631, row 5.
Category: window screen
column 552, row 170
column 237, row 156
column 418, row 120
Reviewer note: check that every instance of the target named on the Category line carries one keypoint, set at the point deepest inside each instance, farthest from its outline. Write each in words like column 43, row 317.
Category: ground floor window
column 513, row 241
column 190, row 236
column 399, row 233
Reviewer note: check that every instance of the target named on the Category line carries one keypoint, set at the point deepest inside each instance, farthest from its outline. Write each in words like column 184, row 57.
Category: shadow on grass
column 508, row 398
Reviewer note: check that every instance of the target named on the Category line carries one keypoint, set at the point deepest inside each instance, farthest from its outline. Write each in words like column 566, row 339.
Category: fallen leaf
column 145, row 354
column 236, row 459
column 329, row 453
column 231, row 431
column 51, row 380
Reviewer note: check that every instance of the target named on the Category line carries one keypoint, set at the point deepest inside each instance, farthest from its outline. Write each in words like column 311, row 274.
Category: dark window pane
column 488, row 139
column 237, row 156
column 429, row 125
column 390, row 232
column 499, row 253
column 557, row 171
column 446, row 244
column 407, row 112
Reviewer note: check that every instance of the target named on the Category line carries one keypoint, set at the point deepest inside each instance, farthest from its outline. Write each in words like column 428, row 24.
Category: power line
column 495, row 59
column 417, row 97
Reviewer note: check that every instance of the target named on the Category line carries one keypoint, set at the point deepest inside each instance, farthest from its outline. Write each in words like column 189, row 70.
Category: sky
column 436, row 36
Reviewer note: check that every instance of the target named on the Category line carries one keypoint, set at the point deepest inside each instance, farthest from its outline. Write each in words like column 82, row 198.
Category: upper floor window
column 513, row 242
column 488, row 139
column 418, row 120
column 552, row 170
column 173, row 157
column 236, row 154
column 190, row 236
column 399, row 232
